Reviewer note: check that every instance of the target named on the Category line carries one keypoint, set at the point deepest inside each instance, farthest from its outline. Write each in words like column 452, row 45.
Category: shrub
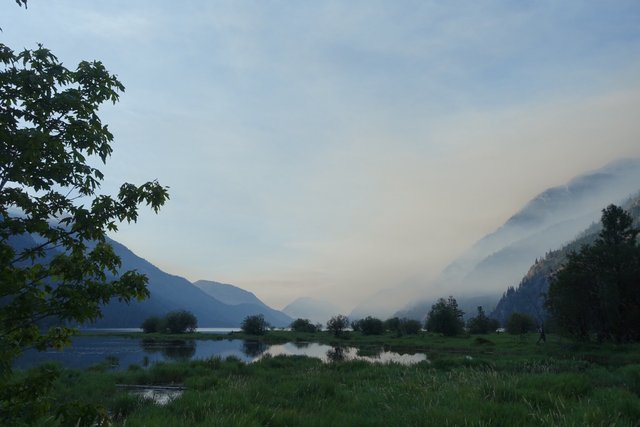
column 254, row 325
column 519, row 323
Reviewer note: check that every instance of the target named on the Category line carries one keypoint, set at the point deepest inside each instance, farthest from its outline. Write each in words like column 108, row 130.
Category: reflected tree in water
column 173, row 349
column 301, row 344
column 253, row 348
column 373, row 352
column 336, row 354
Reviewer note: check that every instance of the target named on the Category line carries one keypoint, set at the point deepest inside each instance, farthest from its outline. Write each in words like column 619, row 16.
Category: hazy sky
column 333, row 148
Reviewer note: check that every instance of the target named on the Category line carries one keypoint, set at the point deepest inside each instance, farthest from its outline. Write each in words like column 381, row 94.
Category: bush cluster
column 369, row 326
column 402, row 326
column 481, row 324
column 174, row 322
column 519, row 323
column 304, row 325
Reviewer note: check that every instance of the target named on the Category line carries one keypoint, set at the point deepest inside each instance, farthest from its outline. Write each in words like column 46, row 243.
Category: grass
column 494, row 380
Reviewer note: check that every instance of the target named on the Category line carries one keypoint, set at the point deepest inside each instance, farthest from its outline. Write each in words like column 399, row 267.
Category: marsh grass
column 510, row 382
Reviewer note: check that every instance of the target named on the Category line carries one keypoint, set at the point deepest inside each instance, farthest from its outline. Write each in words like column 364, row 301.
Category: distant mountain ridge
column 243, row 300
column 169, row 292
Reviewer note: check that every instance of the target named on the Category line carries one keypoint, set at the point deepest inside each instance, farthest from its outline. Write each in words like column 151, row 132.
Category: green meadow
column 490, row 380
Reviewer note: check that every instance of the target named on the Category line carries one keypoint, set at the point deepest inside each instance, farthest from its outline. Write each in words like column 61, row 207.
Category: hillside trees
column 56, row 267
column 445, row 317
column 597, row 292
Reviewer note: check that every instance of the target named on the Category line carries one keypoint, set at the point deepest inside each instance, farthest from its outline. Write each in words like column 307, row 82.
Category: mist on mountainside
column 501, row 258
column 528, row 296
column 317, row 311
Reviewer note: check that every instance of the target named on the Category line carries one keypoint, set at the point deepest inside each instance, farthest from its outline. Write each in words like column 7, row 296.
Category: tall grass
column 509, row 383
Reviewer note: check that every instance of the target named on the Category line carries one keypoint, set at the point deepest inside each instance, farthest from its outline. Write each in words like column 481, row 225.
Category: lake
column 86, row 351
column 202, row 330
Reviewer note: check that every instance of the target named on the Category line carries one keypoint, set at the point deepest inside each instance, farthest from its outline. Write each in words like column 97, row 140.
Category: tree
column 597, row 291
column 56, row 268
column 481, row 324
column 303, row 325
column 152, row 324
column 254, row 325
column 445, row 317
column 337, row 324
column 179, row 322
column 520, row 323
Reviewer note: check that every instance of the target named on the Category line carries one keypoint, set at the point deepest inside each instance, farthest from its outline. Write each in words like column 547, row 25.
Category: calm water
column 122, row 351
column 203, row 330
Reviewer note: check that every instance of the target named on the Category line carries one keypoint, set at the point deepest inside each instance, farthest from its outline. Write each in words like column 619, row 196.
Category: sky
column 335, row 148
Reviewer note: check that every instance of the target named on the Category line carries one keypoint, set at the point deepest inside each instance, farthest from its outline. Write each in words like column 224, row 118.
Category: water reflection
column 170, row 349
column 253, row 349
column 301, row 344
column 91, row 350
column 373, row 352
column 330, row 354
column 336, row 354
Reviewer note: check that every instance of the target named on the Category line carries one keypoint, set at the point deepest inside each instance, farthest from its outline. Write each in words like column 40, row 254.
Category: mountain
column 228, row 294
column 170, row 292
column 317, row 311
column 549, row 220
column 528, row 297
column 243, row 301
